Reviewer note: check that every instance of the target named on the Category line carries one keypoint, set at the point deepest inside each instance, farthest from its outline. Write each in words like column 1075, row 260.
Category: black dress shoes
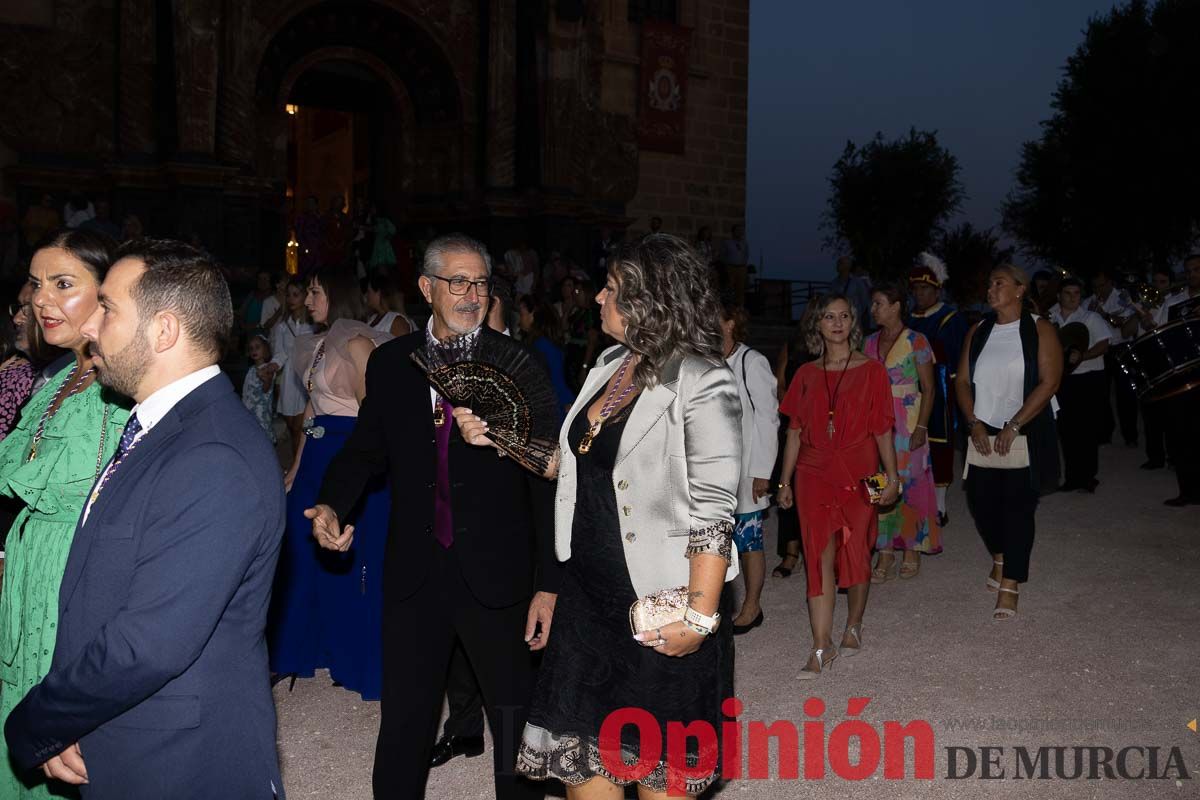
column 1182, row 500
column 450, row 746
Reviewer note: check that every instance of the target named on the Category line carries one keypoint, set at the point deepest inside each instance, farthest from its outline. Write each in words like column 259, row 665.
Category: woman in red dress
column 840, row 407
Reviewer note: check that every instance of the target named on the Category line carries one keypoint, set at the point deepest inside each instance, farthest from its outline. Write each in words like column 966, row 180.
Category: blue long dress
column 326, row 606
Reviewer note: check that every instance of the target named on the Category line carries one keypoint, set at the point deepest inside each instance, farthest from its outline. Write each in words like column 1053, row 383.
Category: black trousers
column 1126, row 402
column 1183, row 439
column 1156, row 433
column 1003, row 503
column 466, row 703
column 1083, row 400
column 419, row 636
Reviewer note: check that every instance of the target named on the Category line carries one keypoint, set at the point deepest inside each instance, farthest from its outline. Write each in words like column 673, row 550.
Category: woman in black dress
column 648, row 471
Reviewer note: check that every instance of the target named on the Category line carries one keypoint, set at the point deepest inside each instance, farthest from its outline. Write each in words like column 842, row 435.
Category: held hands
column 784, row 496
column 979, row 438
column 472, row 428
column 1004, row 440
column 918, row 439
column 327, row 530
column 761, row 488
column 678, row 639
column 891, row 493
column 67, row 767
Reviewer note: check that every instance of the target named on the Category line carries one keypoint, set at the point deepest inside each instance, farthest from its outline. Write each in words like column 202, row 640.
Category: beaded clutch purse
column 658, row 610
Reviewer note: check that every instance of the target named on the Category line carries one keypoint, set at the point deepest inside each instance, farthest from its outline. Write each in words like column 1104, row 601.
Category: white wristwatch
column 700, row 623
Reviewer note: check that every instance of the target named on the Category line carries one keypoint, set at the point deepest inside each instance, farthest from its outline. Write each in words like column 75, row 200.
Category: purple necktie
column 443, row 518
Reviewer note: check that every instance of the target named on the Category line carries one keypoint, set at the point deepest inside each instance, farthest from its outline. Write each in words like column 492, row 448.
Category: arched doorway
column 376, row 114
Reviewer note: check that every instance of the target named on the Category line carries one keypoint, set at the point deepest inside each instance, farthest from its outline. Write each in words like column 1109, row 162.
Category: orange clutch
column 873, row 486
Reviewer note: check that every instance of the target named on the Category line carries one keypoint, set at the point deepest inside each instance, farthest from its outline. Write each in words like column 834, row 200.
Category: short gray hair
column 453, row 243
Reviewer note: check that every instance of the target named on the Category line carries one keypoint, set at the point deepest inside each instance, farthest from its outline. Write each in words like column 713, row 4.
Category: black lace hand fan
column 503, row 384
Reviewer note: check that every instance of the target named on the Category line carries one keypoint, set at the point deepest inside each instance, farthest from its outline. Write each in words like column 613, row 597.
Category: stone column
column 137, row 64
column 197, row 60
column 501, row 124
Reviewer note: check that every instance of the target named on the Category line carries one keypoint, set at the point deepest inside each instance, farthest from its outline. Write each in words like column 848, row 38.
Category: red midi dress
column 829, row 469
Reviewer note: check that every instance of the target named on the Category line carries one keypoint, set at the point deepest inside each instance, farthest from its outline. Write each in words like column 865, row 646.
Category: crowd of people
column 166, row 565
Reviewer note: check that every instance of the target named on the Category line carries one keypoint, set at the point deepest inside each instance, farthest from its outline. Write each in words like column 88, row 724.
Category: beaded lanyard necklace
column 317, row 359
column 610, row 403
column 56, row 404
column 832, row 398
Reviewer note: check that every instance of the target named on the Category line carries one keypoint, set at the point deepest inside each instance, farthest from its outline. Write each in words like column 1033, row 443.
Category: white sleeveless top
column 1000, row 376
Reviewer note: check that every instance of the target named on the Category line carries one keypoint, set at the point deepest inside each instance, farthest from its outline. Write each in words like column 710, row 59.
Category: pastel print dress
column 912, row 523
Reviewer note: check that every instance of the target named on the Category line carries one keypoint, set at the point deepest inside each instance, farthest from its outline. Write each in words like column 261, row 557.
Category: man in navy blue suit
column 159, row 685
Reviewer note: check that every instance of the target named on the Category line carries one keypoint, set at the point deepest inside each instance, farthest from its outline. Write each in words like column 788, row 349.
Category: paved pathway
column 1104, row 652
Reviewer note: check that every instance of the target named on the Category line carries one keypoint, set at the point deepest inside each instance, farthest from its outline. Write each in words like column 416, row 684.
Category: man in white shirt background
column 1081, row 393
column 1116, row 309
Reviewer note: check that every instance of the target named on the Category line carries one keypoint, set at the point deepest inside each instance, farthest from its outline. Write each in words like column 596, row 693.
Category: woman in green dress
column 67, row 433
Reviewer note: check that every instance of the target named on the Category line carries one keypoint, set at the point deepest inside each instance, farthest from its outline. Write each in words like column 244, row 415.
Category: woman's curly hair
column 810, row 324
column 667, row 299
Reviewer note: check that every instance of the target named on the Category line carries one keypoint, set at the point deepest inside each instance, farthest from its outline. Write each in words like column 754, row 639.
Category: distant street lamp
column 291, row 108
column 292, row 257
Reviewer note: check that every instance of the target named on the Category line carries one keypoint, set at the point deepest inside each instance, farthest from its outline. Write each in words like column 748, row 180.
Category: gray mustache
column 468, row 308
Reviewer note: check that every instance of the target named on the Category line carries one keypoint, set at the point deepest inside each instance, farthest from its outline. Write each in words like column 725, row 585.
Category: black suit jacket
column 503, row 514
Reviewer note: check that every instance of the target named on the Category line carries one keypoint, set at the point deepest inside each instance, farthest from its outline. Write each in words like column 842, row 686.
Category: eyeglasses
column 460, row 286
column 13, row 308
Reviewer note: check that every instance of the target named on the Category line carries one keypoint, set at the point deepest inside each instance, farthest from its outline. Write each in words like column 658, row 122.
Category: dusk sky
column 979, row 73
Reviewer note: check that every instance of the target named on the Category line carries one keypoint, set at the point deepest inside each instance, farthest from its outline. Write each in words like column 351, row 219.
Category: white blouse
column 1000, row 376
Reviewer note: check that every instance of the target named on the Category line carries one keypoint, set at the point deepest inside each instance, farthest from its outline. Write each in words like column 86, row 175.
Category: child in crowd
column 259, row 395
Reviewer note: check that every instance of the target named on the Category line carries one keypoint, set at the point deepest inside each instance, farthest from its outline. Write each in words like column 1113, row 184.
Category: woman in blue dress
column 541, row 330
column 326, row 606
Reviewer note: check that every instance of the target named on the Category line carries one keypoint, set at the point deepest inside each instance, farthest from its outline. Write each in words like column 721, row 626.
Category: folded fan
column 502, row 384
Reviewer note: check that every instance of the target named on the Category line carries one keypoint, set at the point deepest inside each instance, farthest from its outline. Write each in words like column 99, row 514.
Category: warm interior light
column 291, row 108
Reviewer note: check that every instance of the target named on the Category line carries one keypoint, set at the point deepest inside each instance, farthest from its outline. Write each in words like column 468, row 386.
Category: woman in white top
column 385, row 301
column 1010, row 369
column 760, row 444
column 294, row 323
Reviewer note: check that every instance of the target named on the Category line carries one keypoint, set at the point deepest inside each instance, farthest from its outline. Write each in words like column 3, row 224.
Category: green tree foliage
column 888, row 200
column 1114, row 179
column 969, row 255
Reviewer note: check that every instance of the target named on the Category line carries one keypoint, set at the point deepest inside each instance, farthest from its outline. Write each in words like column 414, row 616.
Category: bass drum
column 1164, row 362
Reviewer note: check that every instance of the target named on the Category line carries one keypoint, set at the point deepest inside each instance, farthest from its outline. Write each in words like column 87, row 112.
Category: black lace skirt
column 593, row 666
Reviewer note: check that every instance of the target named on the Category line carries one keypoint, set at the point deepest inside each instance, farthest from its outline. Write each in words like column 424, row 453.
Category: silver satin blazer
column 677, row 470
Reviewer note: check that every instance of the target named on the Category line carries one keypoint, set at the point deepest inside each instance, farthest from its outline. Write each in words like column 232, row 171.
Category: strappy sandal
column 882, row 574
column 1001, row 614
column 785, row 572
column 856, row 632
column 992, row 583
column 909, row 569
column 823, row 664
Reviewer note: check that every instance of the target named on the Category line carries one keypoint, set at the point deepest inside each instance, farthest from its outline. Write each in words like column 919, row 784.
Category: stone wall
column 707, row 184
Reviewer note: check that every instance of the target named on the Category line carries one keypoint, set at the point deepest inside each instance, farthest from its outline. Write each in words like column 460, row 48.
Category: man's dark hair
column 1191, row 257
column 184, row 280
column 1071, row 281
column 1163, row 270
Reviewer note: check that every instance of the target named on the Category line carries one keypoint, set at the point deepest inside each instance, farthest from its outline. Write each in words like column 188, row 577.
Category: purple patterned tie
column 132, row 428
column 443, row 519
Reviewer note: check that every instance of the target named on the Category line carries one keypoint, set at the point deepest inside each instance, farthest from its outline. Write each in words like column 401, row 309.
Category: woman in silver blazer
column 648, row 472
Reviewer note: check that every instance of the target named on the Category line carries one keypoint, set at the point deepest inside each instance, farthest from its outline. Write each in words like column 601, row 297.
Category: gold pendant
column 439, row 415
column 585, row 444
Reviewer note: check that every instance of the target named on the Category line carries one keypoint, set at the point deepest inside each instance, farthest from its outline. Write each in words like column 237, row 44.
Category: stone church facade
column 512, row 119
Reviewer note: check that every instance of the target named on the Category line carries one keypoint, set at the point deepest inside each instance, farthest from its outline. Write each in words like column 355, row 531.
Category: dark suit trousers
column 1183, row 439
column 1079, row 423
column 462, row 692
column 419, row 636
column 1127, row 403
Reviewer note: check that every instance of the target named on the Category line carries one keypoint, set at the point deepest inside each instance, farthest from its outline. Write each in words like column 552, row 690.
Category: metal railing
column 783, row 300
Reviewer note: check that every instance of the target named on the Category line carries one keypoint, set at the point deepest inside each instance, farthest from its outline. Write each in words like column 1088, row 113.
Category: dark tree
column 969, row 255
column 1114, row 179
column 888, row 200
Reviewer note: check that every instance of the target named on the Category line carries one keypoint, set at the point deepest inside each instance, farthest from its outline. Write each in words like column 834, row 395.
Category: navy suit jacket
column 160, row 664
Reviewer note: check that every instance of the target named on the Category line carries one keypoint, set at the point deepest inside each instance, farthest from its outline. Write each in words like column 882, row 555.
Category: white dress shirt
column 1117, row 304
column 1098, row 331
column 152, row 410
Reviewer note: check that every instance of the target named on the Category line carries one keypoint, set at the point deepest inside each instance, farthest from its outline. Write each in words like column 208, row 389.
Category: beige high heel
column 856, row 632
column 992, row 583
column 1001, row 614
column 823, row 665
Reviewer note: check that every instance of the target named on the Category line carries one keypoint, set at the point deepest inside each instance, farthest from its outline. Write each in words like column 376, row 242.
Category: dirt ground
column 1103, row 653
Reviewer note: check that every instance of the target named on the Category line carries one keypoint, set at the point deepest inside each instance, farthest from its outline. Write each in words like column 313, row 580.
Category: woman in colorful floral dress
column 911, row 524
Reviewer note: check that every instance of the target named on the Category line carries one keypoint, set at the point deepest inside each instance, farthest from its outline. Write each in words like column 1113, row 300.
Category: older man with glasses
column 470, row 551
